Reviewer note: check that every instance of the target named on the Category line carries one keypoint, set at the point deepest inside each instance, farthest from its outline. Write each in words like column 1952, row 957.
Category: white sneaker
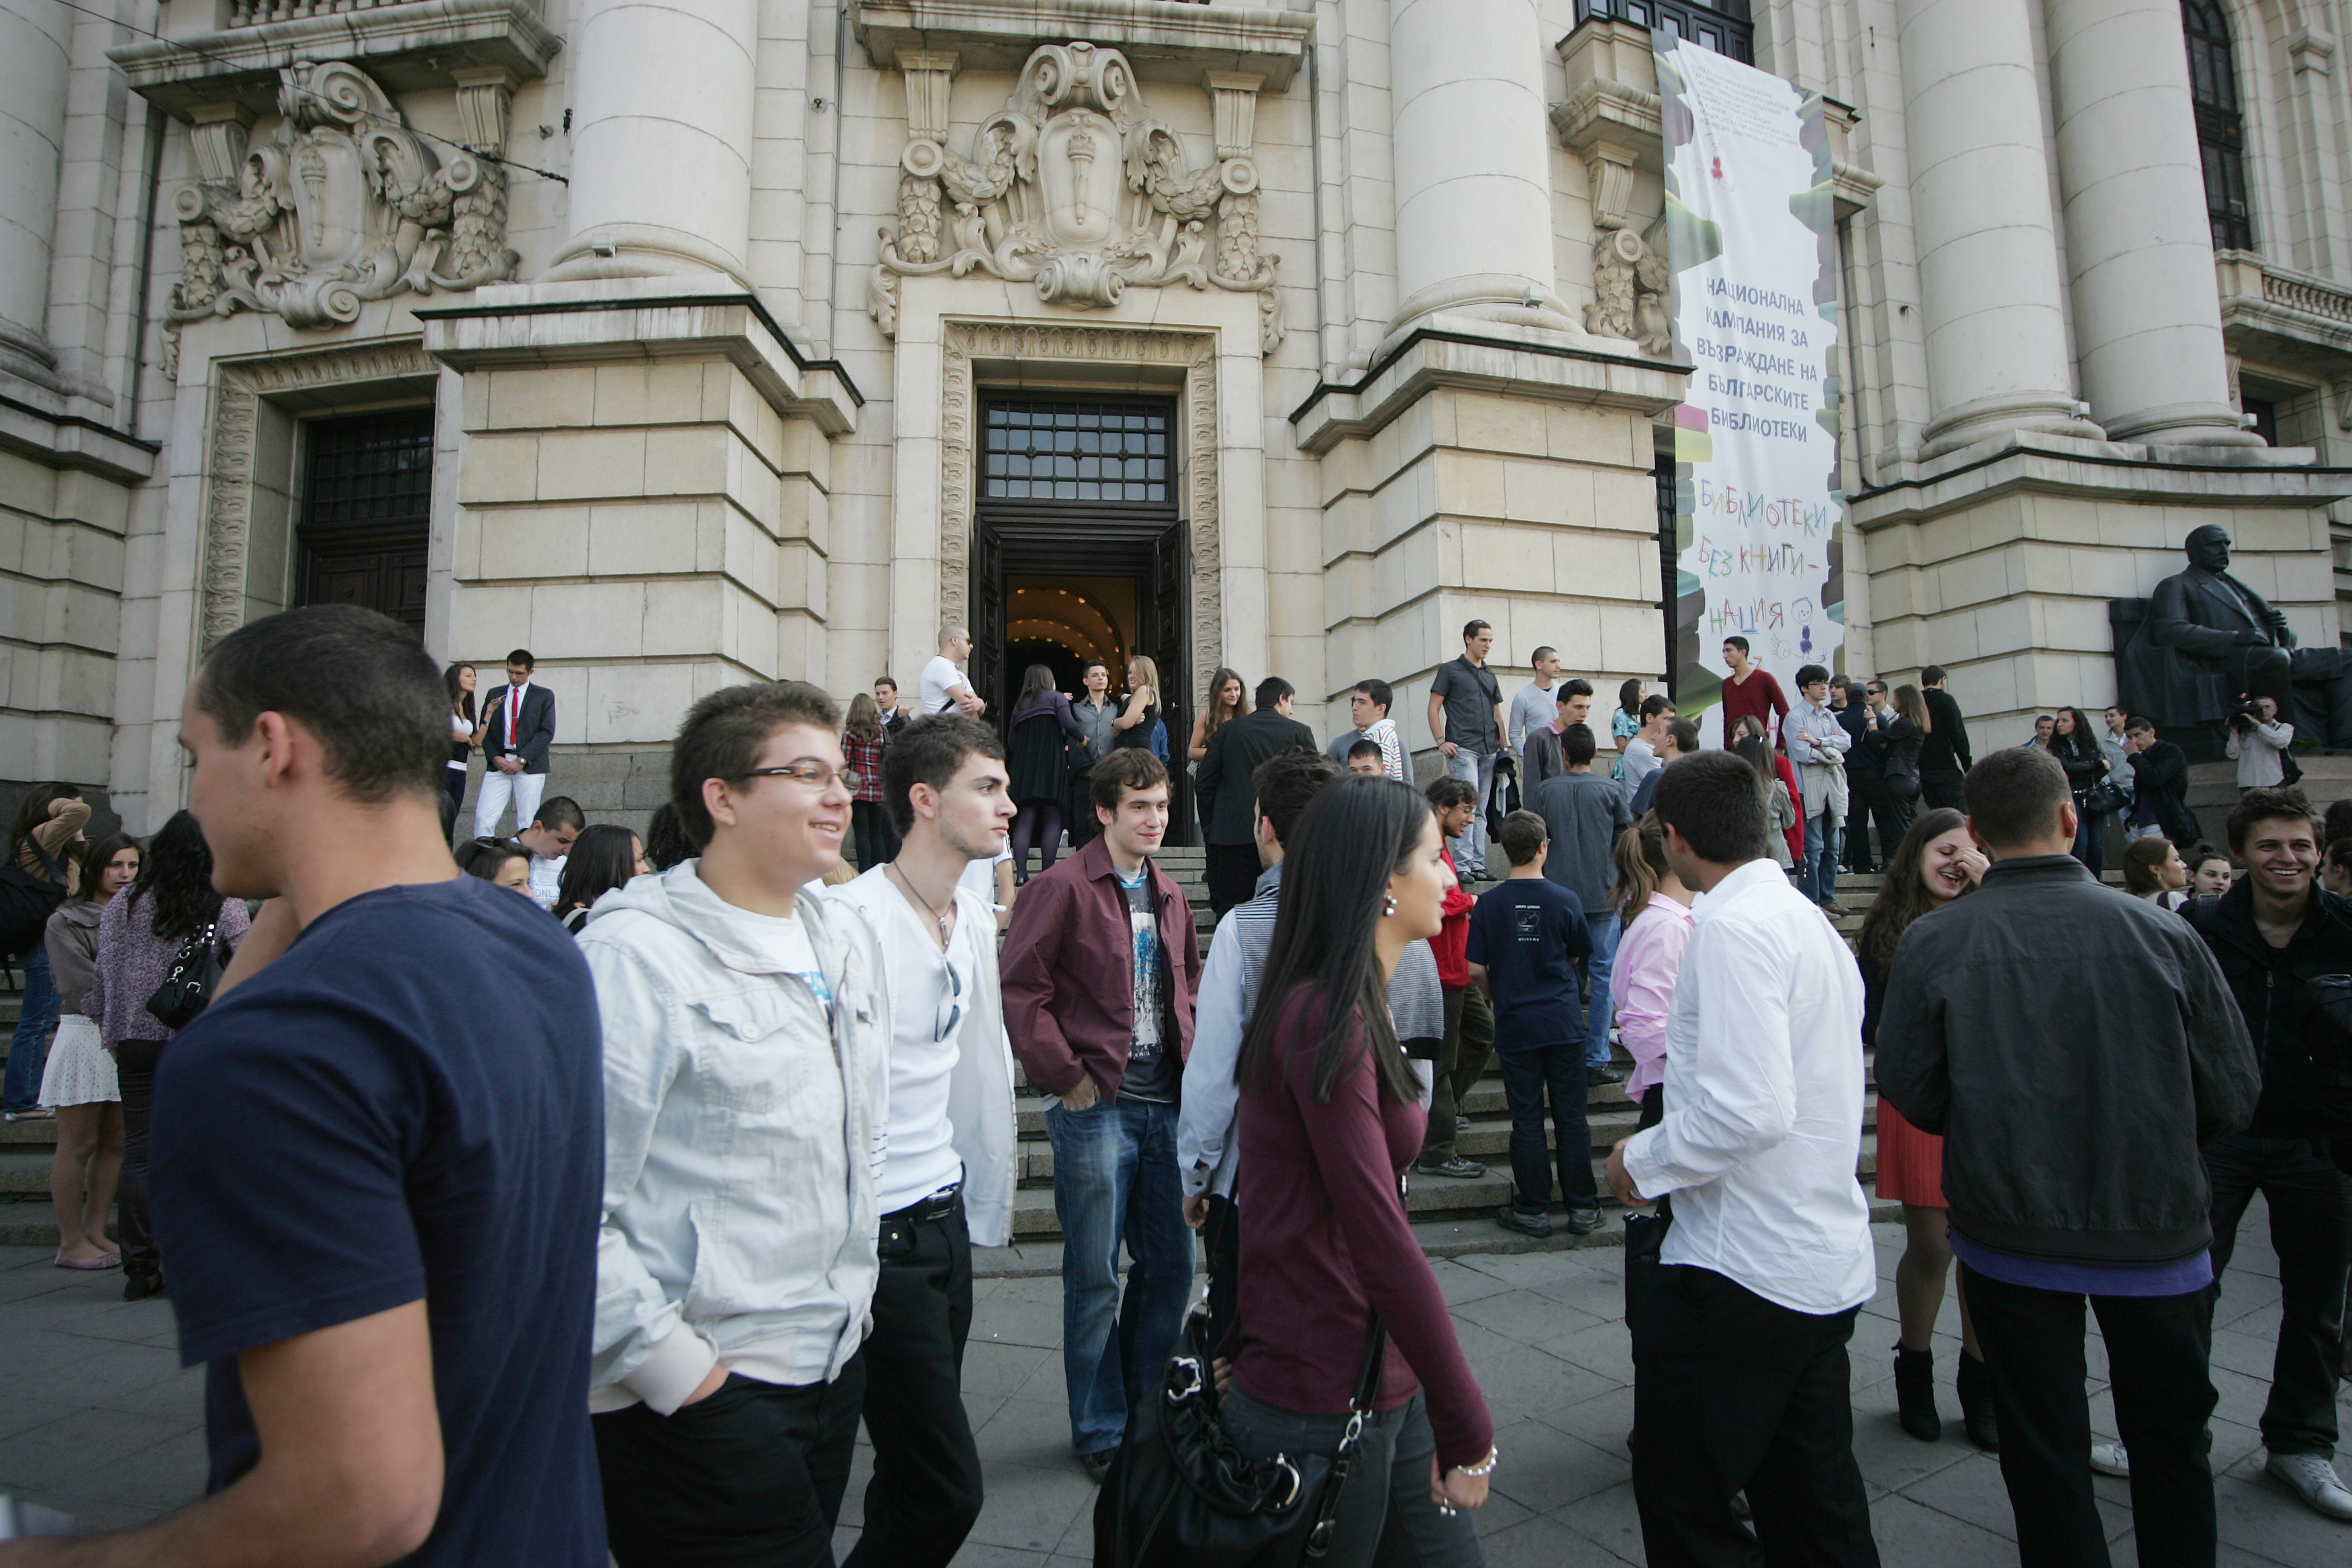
column 2109, row 1459
column 2311, row 1478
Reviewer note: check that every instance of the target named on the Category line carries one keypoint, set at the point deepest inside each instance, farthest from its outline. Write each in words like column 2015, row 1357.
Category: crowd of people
column 626, row 1265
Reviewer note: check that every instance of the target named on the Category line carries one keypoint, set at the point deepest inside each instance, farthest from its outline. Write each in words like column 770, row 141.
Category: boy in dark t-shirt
column 1526, row 937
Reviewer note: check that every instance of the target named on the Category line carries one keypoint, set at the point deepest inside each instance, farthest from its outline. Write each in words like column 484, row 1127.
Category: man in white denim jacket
column 746, row 1044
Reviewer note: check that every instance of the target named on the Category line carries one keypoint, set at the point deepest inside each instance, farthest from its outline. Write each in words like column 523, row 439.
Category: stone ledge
column 1163, row 41
column 60, row 440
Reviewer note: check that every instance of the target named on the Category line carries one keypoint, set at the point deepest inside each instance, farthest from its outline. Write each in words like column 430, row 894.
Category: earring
column 1388, row 906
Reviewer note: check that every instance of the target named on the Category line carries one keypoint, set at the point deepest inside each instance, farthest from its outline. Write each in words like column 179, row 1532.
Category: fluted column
column 1473, row 161
column 2147, row 319
column 661, row 177
column 1989, row 290
column 32, row 134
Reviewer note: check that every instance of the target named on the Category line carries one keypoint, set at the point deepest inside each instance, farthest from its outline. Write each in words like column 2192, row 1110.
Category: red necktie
column 514, row 714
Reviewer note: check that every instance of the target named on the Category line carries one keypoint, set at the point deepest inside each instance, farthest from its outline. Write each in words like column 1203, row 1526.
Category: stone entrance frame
column 957, row 336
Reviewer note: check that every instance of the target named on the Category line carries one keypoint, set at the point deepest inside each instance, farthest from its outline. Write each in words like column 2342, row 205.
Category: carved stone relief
column 962, row 342
column 344, row 204
column 1073, row 187
column 1630, row 288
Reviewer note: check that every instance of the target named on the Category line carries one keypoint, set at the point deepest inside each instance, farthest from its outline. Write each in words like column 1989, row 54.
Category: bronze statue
column 2235, row 646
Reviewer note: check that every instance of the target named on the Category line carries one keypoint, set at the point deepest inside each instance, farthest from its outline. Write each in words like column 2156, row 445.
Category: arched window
column 2221, row 130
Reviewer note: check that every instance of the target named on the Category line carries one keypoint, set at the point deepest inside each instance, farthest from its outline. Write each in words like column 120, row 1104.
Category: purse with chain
column 188, row 985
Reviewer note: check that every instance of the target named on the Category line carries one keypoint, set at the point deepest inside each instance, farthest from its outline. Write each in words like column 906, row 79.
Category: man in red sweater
column 1469, row 1020
column 1750, row 690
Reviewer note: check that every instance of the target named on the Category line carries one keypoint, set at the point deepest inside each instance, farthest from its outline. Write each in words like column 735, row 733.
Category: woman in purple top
column 1330, row 1114
column 1044, row 730
column 141, row 931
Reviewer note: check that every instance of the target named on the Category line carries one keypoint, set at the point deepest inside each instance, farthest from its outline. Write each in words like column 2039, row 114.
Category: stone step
column 25, row 1170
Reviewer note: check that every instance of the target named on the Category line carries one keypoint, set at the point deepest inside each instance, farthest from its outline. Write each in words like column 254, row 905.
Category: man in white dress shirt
column 1739, row 1352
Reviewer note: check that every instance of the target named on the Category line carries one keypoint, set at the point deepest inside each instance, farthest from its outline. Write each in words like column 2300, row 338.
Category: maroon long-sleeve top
column 1327, row 1244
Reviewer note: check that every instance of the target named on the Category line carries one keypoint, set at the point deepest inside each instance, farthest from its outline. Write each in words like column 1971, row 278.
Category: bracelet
column 1484, row 1467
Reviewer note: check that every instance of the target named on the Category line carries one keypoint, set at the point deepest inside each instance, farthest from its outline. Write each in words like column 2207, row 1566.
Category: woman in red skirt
column 1936, row 863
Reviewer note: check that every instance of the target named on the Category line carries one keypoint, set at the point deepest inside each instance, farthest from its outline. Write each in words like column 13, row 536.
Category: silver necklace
column 938, row 915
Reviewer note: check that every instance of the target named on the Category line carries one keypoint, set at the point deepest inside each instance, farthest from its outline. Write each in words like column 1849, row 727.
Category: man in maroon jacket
column 1098, row 974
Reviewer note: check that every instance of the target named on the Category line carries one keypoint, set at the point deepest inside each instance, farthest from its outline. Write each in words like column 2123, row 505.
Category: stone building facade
column 692, row 343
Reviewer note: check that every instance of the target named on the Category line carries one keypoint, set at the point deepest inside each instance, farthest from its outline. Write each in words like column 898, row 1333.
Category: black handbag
column 1181, row 1494
column 187, row 987
column 2104, row 798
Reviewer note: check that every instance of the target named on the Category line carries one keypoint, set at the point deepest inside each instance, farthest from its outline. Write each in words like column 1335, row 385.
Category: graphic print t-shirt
column 1151, row 1068
column 1530, row 932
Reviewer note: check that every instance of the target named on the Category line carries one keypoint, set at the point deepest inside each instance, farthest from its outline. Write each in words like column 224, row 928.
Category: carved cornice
column 1166, row 42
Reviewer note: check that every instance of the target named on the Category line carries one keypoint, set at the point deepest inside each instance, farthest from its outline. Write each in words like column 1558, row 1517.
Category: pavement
column 102, row 1424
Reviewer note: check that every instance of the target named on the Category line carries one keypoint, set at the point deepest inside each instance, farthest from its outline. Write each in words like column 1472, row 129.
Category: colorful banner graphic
column 1751, row 239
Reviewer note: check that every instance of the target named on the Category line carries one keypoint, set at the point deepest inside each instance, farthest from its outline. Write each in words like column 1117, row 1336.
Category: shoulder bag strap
column 1343, row 1458
column 57, row 872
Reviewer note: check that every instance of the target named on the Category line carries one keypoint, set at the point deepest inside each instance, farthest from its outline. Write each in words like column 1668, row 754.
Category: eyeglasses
column 811, row 775
column 950, row 1013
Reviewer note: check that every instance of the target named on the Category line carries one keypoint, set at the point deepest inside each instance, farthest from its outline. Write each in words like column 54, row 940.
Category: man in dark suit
column 1944, row 756
column 523, row 727
column 2218, row 623
column 1223, row 779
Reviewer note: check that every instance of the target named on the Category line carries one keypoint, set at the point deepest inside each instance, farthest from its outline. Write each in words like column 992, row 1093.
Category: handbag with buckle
column 1181, row 1494
column 2105, row 797
column 187, row 987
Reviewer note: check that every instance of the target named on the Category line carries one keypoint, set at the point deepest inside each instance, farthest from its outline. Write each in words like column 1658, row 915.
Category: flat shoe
column 103, row 1261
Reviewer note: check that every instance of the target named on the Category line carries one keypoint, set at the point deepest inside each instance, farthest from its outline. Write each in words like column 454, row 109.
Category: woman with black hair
column 139, row 935
column 666, row 843
column 1038, row 763
column 467, row 729
column 603, row 857
column 1624, row 724
column 2076, row 746
column 1330, row 1114
column 498, row 862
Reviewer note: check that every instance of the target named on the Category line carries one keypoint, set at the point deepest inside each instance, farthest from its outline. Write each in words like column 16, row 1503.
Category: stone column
column 1989, row 284
column 661, row 176
column 2147, row 319
column 32, row 135
column 1474, row 228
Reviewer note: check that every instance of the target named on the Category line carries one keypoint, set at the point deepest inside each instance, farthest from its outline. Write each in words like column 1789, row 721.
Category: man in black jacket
column 2071, row 1157
column 1224, row 776
column 2274, row 932
column 2160, row 792
column 1944, row 756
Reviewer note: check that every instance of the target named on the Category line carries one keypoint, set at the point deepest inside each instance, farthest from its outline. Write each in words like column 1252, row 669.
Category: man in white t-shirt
column 942, row 686
column 554, row 827
column 1534, row 705
column 947, row 1183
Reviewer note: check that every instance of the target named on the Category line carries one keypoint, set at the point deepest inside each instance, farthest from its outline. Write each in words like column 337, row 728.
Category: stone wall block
column 700, row 460
column 1500, row 424
column 540, row 399
column 574, row 621
column 499, row 469
column 684, row 617
column 591, row 465
column 540, row 541
column 1509, row 558
column 1546, row 493
column 637, row 704
column 650, row 539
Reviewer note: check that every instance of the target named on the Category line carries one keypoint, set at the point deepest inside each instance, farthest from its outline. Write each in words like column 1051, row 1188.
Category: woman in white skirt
column 78, row 1083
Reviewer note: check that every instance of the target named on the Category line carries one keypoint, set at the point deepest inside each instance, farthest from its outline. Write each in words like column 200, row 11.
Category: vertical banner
column 1751, row 239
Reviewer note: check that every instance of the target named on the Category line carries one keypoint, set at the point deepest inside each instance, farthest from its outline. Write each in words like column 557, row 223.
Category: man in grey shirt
column 1584, row 811
column 1531, row 708
column 1466, row 720
column 1094, row 712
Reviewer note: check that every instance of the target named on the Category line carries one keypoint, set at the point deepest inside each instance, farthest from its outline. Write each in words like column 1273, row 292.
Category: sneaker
column 1584, row 1221
column 1831, row 907
column 2314, row 1479
column 1595, row 1077
column 1098, row 1465
column 2109, row 1459
column 1456, row 1167
column 1536, row 1224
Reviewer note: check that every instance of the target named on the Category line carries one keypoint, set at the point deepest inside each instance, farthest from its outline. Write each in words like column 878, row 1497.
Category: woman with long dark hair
column 78, row 1083
column 1936, row 862
column 666, row 843
column 466, row 728
column 863, row 742
column 1780, row 814
column 1624, row 724
column 1330, row 1115
column 2154, row 871
column 139, row 935
column 497, row 862
column 2076, row 746
column 603, row 857
column 1038, row 764
column 1228, row 699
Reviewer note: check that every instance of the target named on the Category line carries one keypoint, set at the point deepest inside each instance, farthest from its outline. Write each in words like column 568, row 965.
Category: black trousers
column 453, row 795
column 1734, row 1392
column 135, row 1073
column 2311, row 1230
column 925, row 1495
column 1220, row 1241
column 1461, row 1063
column 872, row 834
column 750, row 1478
column 1556, row 1072
column 1942, row 787
column 2156, row 1348
column 1864, row 788
column 1232, row 874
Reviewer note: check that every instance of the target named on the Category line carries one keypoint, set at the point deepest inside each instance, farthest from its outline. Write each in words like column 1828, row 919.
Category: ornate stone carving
column 345, row 204
column 1073, row 187
column 1630, row 288
column 962, row 342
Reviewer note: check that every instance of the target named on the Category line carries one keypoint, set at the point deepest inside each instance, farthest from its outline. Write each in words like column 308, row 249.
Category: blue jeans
column 1817, row 877
column 1599, row 1011
column 28, row 1049
column 1114, row 1177
column 1476, row 769
column 1529, row 1077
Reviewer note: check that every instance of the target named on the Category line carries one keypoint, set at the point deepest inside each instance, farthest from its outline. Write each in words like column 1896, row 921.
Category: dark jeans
column 1040, row 823
column 1386, row 1514
column 453, row 795
column 871, row 833
column 1232, row 873
column 750, row 1478
column 1220, row 1241
column 2311, row 1230
column 1461, row 1062
column 925, row 1491
column 134, row 1074
column 1114, row 1180
column 28, row 1047
column 1943, row 786
column 2156, row 1347
column 1731, row 1394
column 1079, row 815
column 1528, row 1076
column 2090, row 837
column 1817, row 874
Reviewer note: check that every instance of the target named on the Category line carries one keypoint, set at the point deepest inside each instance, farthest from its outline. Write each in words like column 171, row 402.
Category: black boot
column 1914, row 1393
column 1976, row 1404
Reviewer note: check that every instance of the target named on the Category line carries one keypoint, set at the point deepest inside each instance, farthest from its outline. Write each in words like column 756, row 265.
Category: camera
column 2245, row 715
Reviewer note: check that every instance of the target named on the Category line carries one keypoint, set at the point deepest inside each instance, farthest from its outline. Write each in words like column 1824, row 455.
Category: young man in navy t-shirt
column 377, row 1156
column 1526, row 937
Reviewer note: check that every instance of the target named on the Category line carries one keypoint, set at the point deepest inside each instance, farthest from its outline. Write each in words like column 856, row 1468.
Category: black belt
column 937, row 1207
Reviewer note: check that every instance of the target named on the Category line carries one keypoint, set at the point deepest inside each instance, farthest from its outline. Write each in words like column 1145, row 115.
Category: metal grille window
column 369, row 472
column 1077, row 451
column 1723, row 27
column 2221, row 129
